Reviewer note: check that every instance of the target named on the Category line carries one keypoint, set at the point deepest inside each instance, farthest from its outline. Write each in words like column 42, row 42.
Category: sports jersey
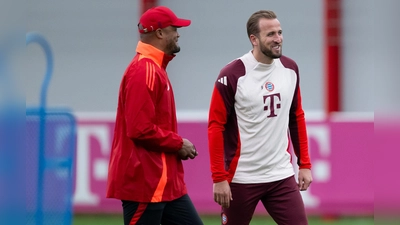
column 255, row 110
column 144, row 165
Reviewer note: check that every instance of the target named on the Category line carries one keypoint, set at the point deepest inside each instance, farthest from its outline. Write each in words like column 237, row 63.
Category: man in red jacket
column 145, row 169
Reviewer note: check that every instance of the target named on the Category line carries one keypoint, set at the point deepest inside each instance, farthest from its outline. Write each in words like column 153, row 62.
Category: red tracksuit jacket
column 144, row 165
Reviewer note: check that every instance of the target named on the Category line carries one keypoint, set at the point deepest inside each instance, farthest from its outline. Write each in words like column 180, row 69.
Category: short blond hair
column 253, row 22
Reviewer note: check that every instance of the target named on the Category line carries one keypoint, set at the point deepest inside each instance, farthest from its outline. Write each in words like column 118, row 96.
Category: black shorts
column 177, row 212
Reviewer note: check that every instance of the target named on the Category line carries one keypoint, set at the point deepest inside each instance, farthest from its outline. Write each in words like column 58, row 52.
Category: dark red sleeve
column 297, row 123
column 298, row 132
column 216, row 126
column 223, row 133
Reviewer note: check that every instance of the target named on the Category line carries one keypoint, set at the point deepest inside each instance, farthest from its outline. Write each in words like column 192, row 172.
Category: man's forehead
column 269, row 24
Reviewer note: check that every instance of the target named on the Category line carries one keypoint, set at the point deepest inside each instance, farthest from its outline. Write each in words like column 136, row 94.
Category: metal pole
column 332, row 55
column 147, row 4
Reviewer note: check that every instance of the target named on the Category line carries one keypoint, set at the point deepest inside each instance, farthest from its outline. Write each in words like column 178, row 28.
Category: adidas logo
column 222, row 80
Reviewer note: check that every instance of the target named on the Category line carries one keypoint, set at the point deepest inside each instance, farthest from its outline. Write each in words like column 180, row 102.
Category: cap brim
column 181, row 23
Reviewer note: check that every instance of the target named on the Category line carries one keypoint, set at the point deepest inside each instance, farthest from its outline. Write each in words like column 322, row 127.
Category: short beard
column 173, row 48
column 269, row 53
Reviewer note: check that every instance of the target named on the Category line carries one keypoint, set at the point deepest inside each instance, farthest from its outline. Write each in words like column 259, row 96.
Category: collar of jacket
column 155, row 54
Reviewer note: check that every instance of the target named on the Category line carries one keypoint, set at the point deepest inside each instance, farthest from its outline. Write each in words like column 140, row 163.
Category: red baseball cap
column 160, row 17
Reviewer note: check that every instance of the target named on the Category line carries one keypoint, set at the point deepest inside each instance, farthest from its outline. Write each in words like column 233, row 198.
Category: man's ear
column 253, row 39
column 159, row 33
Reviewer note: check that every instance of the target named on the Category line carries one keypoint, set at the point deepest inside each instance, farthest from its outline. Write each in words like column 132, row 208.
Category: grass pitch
column 106, row 219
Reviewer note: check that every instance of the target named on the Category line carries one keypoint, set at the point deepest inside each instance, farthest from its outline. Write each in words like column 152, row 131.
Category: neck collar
column 158, row 56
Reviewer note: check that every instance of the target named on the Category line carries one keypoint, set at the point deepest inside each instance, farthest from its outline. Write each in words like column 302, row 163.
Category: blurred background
column 347, row 53
column 93, row 41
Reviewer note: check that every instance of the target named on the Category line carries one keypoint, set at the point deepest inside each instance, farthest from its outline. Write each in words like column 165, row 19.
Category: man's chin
column 176, row 50
column 277, row 56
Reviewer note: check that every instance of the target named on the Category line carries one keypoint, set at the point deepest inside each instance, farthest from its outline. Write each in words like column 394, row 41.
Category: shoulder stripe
column 223, row 80
column 153, row 72
column 150, row 75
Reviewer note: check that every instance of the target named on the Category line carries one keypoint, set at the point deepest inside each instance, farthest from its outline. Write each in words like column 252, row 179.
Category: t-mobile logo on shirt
column 272, row 104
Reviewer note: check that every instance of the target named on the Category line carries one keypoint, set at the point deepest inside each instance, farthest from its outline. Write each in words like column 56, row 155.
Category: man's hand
column 187, row 151
column 305, row 179
column 222, row 193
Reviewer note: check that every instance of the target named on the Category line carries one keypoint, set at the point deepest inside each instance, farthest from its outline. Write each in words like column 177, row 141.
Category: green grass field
column 98, row 219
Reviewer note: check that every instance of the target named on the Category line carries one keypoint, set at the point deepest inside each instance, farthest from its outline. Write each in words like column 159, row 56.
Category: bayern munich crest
column 224, row 219
column 269, row 86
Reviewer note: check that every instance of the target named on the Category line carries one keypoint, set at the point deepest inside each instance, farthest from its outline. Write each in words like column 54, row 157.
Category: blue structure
column 50, row 152
column 12, row 145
